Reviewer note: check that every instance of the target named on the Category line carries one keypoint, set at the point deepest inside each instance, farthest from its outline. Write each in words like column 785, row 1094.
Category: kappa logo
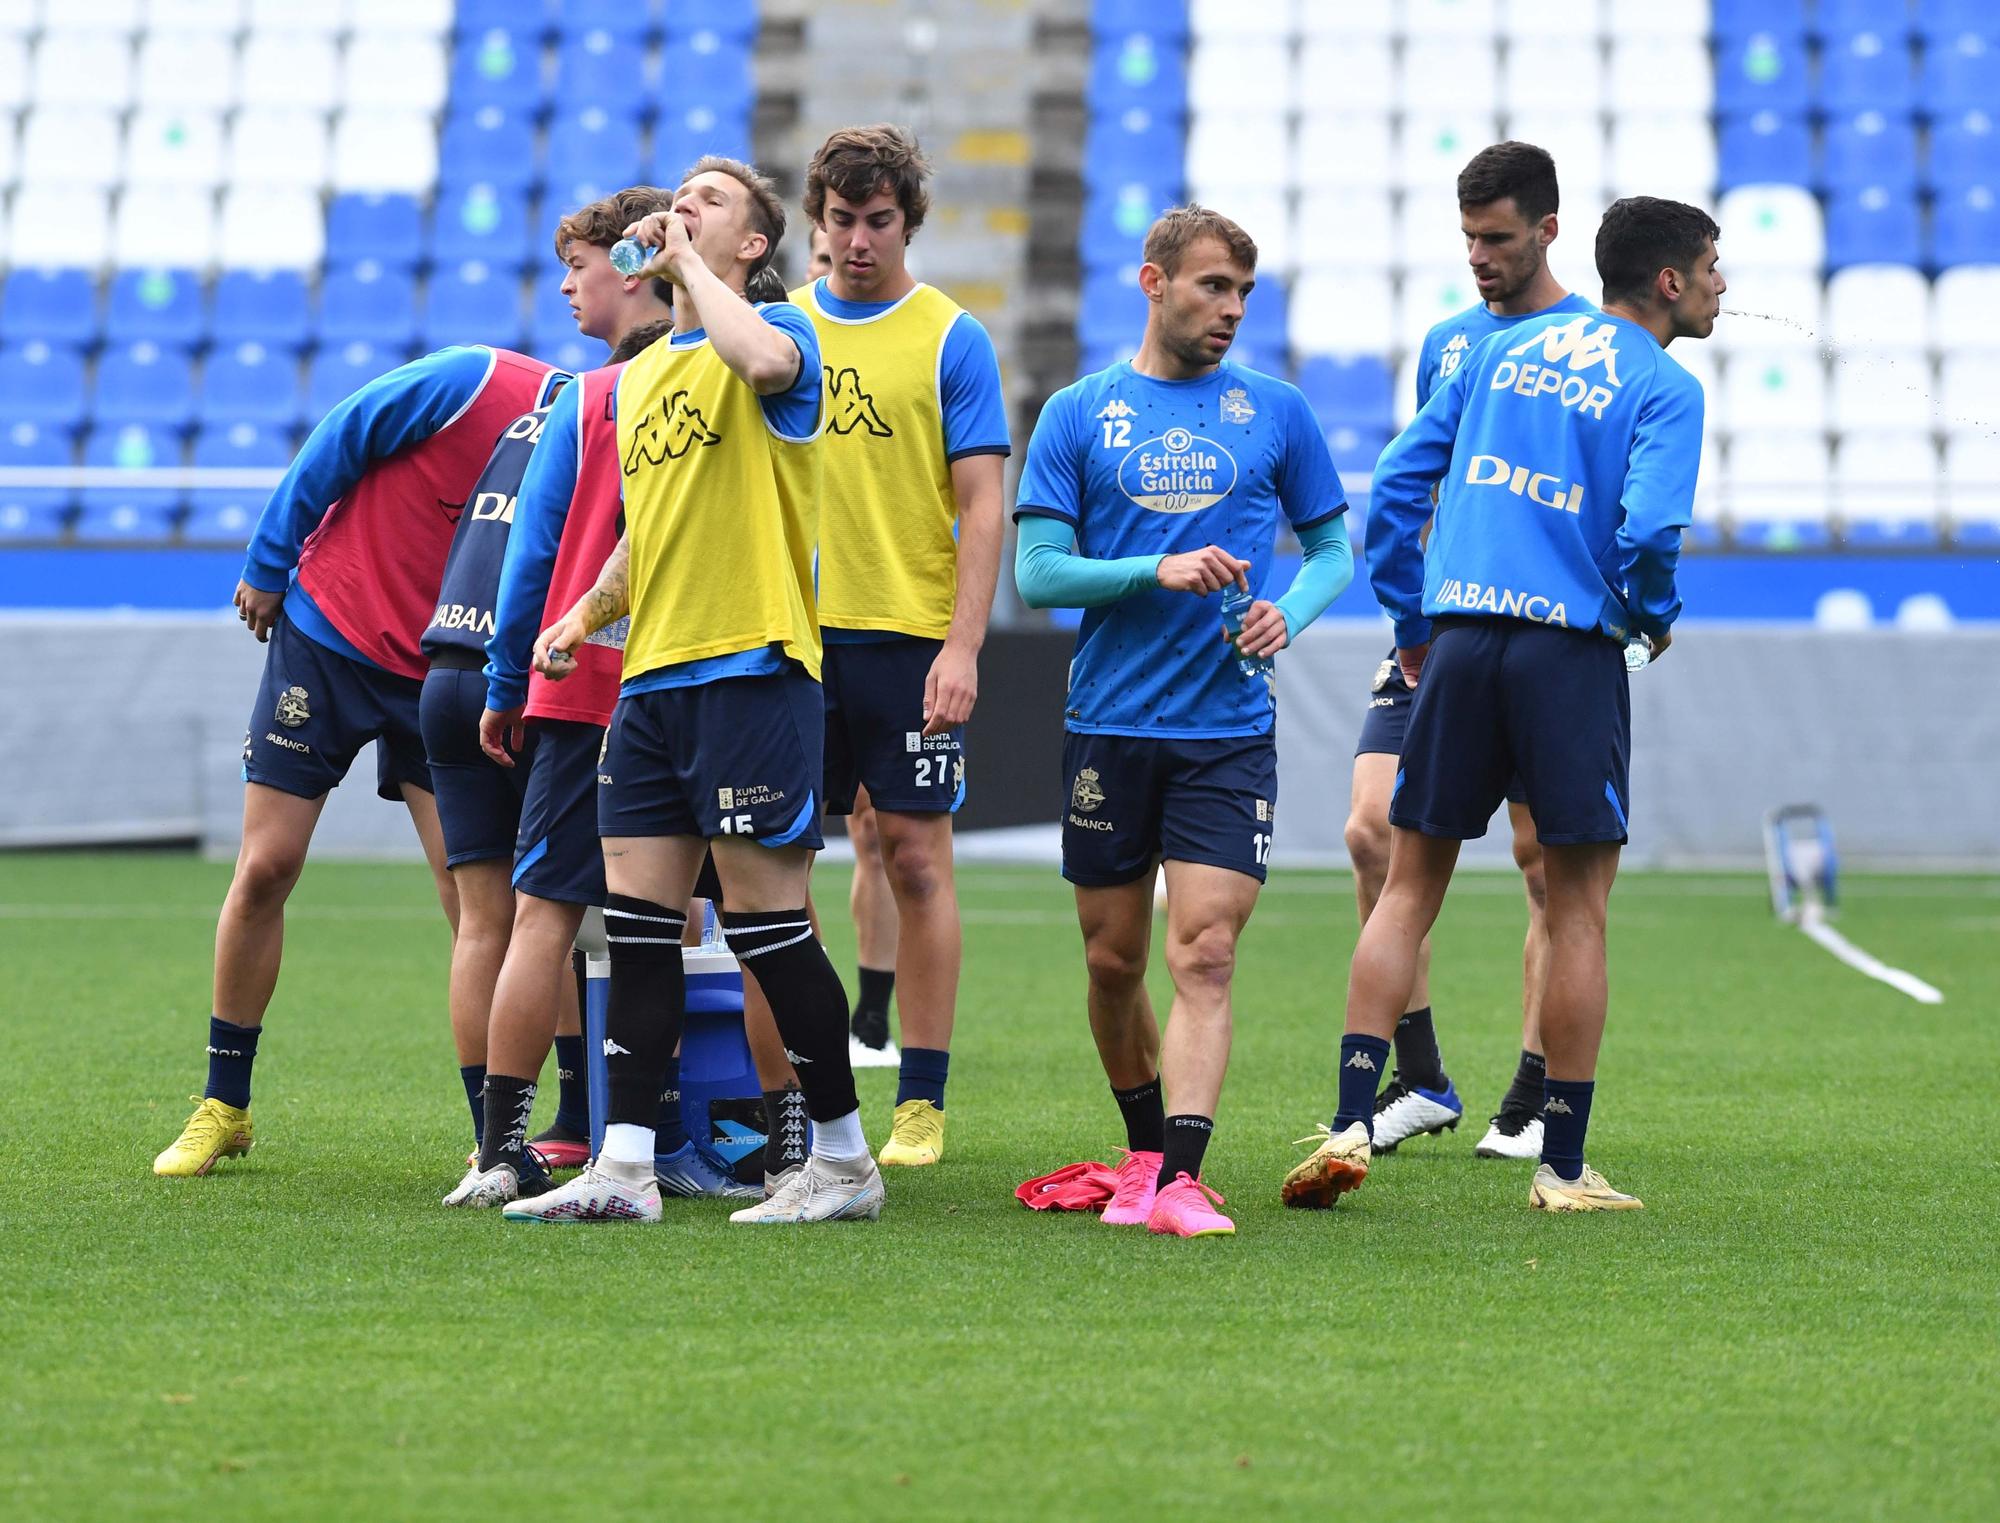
column 1559, row 1106
column 667, row 433
column 1236, row 406
column 293, row 709
column 1088, row 793
column 850, row 407
column 1362, row 1060
column 1453, row 355
column 1576, row 346
column 1118, row 407
column 796, row 1060
column 611, row 1048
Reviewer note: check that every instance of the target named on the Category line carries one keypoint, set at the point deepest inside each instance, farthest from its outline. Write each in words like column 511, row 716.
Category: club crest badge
column 1382, row 675
column 1088, row 794
column 1236, row 405
column 293, row 710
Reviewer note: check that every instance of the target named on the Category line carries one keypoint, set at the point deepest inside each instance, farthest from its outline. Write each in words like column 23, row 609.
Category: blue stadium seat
column 1092, row 358
column 1967, row 229
column 1765, row 148
column 127, row 513
column 480, row 222
column 492, row 145
column 226, row 515
column 388, row 229
column 1164, row 19
column 592, row 147
column 498, row 65
column 1263, row 327
column 41, row 382
column 685, row 133
column 1892, row 534
column 717, row 76
column 34, row 512
column 1358, row 393
column 1780, row 534
column 472, row 303
column 1950, row 18
column 145, row 383
column 1762, row 72
column 166, row 306
column 1132, row 144
column 338, row 371
column 1116, row 218
column 1961, row 73
column 1870, row 149
column 1137, row 68
column 596, row 66
column 270, row 307
column 1736, row 19
column 250, row 382
column 1835, row 19
column 1110, row 310
column 56, row 306
column 732, row 20
column 1356, row 449
column 572, row 352
column 1965, row 150
column 1874, row 225
column 1867, row 71
column 627, row 20
column 476, row 16
column 370, row 303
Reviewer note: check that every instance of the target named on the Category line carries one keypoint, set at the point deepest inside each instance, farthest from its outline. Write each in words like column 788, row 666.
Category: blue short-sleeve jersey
column 1141, row 466
column 1448, row 343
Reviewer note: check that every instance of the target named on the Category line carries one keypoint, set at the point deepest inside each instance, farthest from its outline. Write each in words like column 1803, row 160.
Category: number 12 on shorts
column 1260, row 847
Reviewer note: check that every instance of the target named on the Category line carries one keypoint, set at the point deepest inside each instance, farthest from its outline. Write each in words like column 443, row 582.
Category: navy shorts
column 1133, row 799
column 478, row 800
column 1501, row 696
column 556, row 854
column 1387, row 720
column 316, row 709
column 875, row 730
column 741, row 756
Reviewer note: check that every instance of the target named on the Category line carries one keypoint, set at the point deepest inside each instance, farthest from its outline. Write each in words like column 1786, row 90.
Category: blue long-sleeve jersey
column 1565, row 451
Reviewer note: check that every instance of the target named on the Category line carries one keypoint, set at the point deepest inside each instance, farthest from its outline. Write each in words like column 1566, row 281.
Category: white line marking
column 1812, row 921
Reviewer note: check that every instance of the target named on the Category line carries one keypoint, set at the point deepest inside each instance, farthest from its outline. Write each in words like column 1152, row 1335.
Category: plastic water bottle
column 1235, row 604
column 1638, row 654
column 629, row 256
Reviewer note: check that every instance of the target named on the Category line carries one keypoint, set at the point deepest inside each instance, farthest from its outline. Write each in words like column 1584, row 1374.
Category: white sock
column 625, row 1143
column 840, row 1138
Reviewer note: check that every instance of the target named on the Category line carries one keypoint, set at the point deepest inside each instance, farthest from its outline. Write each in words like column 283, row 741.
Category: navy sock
column 473, row 1077
column 231, row 1051
column 1145, row 1117
column 1417, row 1059
column 1361, row 1061
column 1565, row 1118
column 573, row 1094
column 1187, row 1142
column 922, row 1075
column 670, row 1131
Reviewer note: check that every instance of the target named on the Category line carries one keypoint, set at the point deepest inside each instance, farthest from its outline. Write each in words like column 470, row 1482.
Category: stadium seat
column 1124, row 144
column 1967, row 228
column 1961, row 73
column 226, row 515
column 1576, row 141
column 1734, row 19
column 81, row 68
column 265, row 307
column 187, row 69
column 144, row 382
column 1365, row 67
column 165, row 225
column 1964, row 150
column 472, row 303
column 1431, row 293
column 1867, row 71
column 1968, row 380
column 1433, row 146
column 1762, row 71
column 1948, row 18
column 34, row 512
column 51, row 226
column 55, row 306
column 13, row 70
column 1870, row 148
column 1660, row 74
column 270, row 229
column 1229, row 20
column 1355, row 450
column 479, row 222
column 1662, row 155
column 1340, row 149
column 1135, row 69
column 1450, row 18
column 213, row 17
column 1965, row 309
column 1169, row 19
column 1767, row 308
column 338, row 371
column 393, row 71
column 1115, row 221
column 174, row 145
column 1110, row 310
column 628, row 23
column 1351, row 18
column 592, row 150
column 298, row 69
column 1876, row 224
column 491, row 145
column 1835, row 19
column 1266, row 214
column 497, row 66
column 276, row 145
column 531, row 16
column 1880, row 388
column 1226, row 149
column 1777, row 488
column 683, row 134
column 1885, row 490
column 136, row 512
column 424, row 18
column 1263, row 328
column 597, row 67
column 386, row 228
column 1574, row 60
column 1457, row 69
column 1972, row 488
column 1772, row 226
column 705, row 72
column 1878, row 306
column 1765, row 147
column 320, row 18
column 1347, row 227
column 1352, row 392
column 572, row 351
column 368, row 302
column 250, row 382
column 71, row 145
column 163, row 306
column 1426, row 231
column 1774, row 389
column 378, row 150
column 1345, row 313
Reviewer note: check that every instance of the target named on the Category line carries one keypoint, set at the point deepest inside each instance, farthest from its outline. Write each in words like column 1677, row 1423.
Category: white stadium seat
column 1240, row 76
column 1769, row 309
column 1886, row 477
column 1576, row 142
column 1342, row 312
column 1430, row 294
column 10, row 150
column 1428, row 231
column 1968, row 384
column 18, row 18
column 1775, row 477
column 1265, row 213
column 1405, row 396
column 13, row 73
column 1433, row 146
column 1249, row 148
column 1878, row 306
column 1449, row 18
column 1666, row 74
column 59, row 225
column 1545, row 20
column 1883, row 389
column 1772, row 226
column 187, row 69
column 174, row 146
column 1345, row 150
column 1773, row 389
column 393, row 70
column 165, row 227
column 1451, row 74
column 1965, row 308
column 1348, row 75
column 1221, row 21
column 1709, row 505
column 431, row 17
column 1668, row 156
column 297, row 69
column 84, row 69
column 1357, row 18
column 1972, row 478
column 385, row 151
column 1346, row 226
column 1554, row 74
column 71, row 146
column 325, row 17
column 262, row 228
column 269, row 145
column 123, row 16
column 1699, row 361
column 1648, row 18
column 213, row 16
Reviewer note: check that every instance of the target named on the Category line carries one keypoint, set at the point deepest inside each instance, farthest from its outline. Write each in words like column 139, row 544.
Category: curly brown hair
column 603, row 223
column 858, row 162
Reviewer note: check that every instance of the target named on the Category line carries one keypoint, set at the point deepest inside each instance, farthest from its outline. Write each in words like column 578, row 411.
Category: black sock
column 231, row 1051
column 870, row 1020
column 1187, row 1141
column 508, row 1103
column 1525, row 1093
column 1417, row 1060
column 1145, row 1117
column 670, row 1131
column 779, row 950
column 473, row 1077
column 642, row 1025
column 784, row 1129
column 573, row 1093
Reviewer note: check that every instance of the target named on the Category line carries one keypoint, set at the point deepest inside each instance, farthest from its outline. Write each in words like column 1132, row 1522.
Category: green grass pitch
column 1803, row 1323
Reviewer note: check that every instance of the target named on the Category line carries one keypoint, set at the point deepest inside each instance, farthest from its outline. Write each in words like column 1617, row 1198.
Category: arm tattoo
column 608, row 600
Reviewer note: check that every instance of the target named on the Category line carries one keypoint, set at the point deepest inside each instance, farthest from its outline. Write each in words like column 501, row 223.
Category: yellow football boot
column 214, row 1131
column 916, row 1135
column 1338, row 1164
column 1589, row 1192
